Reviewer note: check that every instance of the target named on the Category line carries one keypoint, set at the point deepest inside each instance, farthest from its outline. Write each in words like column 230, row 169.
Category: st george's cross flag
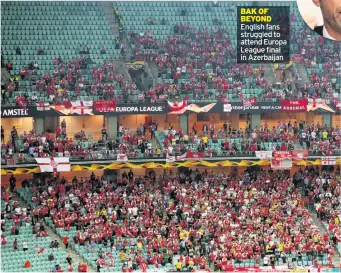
column 54, row 164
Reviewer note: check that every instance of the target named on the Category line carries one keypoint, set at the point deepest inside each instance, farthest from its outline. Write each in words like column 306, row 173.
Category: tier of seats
column 74, row 24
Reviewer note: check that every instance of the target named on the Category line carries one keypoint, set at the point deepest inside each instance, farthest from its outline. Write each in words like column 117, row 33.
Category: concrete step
column 109, row 12
column 154, row 69
column 269, row 73
column 303, row 73
column 121, row 68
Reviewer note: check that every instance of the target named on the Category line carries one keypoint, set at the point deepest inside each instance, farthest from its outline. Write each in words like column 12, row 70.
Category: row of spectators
column 317, row 139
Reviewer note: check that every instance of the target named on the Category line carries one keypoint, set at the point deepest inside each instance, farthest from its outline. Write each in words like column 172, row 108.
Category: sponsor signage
column 14, row 112
column 139, row 109
column 109, row 108
column 79, row 110
column 132, row 109
column 135, row 65
column 258, row 108
column 227, row 107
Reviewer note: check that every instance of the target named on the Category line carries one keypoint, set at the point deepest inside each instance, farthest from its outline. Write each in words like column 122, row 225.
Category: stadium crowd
column 198, row 64
column 195, row 220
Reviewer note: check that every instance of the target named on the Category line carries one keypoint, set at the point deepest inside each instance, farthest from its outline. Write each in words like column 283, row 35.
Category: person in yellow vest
column 186, row 137
column 60, row 91
column 120, row 30
column 139, row 246
column 281, row 247
column 324, row 135
column 122, row 256
column 178, row 265
column 315, row 238
column 116, row 15
column 3, row 94
column 158, row 151
column 181, row 235
column 104, row 212
column 336, row 220
column 204, row 140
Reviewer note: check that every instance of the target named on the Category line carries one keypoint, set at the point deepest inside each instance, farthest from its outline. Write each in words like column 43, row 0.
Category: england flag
column 54, row 164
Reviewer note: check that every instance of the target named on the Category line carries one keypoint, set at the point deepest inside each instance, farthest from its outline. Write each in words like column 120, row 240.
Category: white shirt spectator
column 170, row 149
column 266, row 260
column 51, row 98
column 149, row 146
column 110, row 211
column 34, row 98
column 313, row 135
column 17, row 211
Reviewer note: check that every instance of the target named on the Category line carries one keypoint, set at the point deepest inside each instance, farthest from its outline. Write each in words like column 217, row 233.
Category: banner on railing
column 81, row 108
column 299, row 154
column 281, row 163
column 282, row 154
column 172, row 158
column 104, row 106
column 54, row 164
column 328, row 160
column 43, row 106
column 264, row 154
column 122, row 157
column 250, row 101
column 195, row 155
column 294, row 105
